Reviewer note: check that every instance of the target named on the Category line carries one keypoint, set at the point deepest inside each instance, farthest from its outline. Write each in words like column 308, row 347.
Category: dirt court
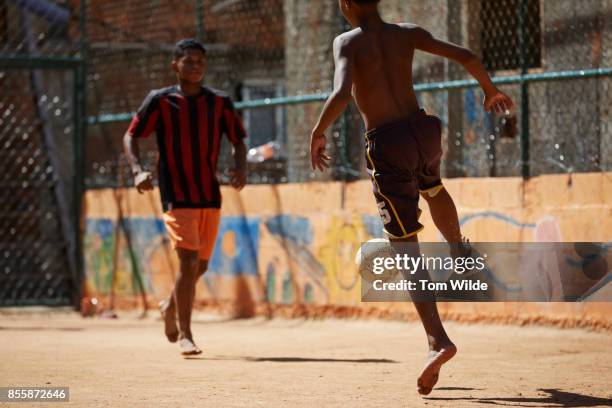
column 308, row 363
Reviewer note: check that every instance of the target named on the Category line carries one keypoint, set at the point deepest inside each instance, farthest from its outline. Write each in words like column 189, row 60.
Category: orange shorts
column 194, row 229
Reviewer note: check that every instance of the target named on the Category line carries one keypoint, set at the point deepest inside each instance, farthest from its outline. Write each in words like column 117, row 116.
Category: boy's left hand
column 498, row 101
column 237, row 178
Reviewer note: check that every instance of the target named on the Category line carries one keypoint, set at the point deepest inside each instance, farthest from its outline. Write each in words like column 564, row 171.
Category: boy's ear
column 174, row 65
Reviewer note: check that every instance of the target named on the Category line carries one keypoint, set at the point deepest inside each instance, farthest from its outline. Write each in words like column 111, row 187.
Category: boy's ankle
column 439, row 344
column 461, row 249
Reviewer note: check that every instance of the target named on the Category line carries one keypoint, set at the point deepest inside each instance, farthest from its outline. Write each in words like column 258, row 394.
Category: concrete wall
column 295, row 244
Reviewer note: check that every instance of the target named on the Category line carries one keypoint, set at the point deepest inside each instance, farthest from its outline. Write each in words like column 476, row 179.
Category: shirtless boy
column 403, row 143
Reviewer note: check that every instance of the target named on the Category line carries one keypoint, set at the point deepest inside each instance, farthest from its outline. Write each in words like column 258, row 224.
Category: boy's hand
column 498, row 101
column 237, row 178
column 143, row 180
column 318, row 158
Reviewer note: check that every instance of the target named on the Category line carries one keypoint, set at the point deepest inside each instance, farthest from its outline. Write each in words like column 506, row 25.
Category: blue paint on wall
column 373, row 225
column 469, row 106
column 295, row 234
column 103, row 227
column 291, row 228
column 498, row 216
column 239, row 256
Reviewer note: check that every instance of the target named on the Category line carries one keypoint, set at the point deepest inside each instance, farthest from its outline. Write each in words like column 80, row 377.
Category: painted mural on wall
column 297, row 259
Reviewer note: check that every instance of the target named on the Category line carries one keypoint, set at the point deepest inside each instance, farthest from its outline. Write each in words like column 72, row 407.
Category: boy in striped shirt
column 189, row 121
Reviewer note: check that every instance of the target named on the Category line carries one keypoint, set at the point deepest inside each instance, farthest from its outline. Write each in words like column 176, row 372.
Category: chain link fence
column 274, row 58
column 39, row 74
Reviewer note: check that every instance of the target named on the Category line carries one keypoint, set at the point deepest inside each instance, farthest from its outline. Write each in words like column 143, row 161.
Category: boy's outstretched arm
column 494, row 98
column 335, row 104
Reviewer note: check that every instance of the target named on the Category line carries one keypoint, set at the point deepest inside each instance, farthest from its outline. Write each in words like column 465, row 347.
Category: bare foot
column 170, row 329
column 188, row 347
column 429, row 376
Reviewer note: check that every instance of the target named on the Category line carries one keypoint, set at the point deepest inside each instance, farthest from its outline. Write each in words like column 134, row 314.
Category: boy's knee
column 202, row 267
column 399, row 241
column 431, row 193
column 189, row 261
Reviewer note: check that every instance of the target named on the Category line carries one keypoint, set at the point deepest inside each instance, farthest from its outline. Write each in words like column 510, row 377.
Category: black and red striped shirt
column 189, row 130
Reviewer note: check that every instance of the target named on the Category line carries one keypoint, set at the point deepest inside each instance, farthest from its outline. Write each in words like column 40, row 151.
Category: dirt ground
column 307, row 363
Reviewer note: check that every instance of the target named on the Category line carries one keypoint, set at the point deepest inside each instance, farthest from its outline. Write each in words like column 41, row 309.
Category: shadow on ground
column 555, row 398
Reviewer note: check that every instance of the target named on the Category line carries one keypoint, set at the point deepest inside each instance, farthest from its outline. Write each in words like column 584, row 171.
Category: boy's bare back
column 381, row 62
column 374, row 66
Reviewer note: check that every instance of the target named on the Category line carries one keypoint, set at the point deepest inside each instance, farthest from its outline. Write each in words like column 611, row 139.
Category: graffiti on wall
column 293, row 258
column 298, row 259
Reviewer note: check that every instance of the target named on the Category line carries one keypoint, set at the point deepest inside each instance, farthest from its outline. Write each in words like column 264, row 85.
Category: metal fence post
column 80, row 130
column 522, row 39
column 200, row 19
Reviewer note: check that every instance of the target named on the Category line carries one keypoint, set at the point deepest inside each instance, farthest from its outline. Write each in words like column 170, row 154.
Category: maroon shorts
column 403, row 159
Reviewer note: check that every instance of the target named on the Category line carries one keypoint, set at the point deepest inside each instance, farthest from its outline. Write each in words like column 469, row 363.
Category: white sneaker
column 188, row 348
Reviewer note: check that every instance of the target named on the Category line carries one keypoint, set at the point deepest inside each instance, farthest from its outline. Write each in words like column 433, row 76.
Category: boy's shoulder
column 169, row 90
column 352, row 36
column 408, row 26
column 216, row 92
column 155, row 93
column 347, row 37
column 412, row 29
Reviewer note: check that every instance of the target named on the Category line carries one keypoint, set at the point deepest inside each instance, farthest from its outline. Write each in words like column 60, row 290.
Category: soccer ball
column 366, row 259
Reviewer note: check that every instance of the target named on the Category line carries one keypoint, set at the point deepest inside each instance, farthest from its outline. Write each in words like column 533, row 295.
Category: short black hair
column 185, row 44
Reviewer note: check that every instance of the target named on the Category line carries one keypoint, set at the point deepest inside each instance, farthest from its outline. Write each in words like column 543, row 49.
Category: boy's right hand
column 143, row 180
column 318, row 159
column 498, row 101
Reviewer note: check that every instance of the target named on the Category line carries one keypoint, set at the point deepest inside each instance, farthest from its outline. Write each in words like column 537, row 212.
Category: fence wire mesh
column 269, row 49
column 38, row 28
column 38, row 244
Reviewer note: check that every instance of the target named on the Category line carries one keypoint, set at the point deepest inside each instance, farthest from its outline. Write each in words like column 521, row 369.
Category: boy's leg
column 441, row 205
column 168, row 307
column 441, row 348
column 207, row 227
column 183, row 229
column 202, row 267
column 444, row 214
column 445, row 217
column 168, row 312
column 184, row 290
column 397, row 197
